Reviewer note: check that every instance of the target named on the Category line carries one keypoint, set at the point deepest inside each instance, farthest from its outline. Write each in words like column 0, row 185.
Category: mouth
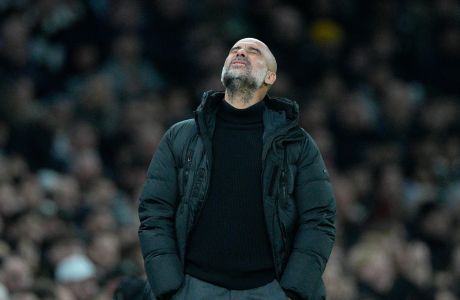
column 238, row 63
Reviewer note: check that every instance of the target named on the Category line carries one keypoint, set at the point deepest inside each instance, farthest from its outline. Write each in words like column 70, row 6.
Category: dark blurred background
column 87, row 88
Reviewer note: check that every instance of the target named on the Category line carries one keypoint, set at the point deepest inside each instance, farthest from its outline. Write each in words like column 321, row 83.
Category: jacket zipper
column 283, row 199
column 276, row 220
column 284, row 180
column 188, row 165
column 279, row 258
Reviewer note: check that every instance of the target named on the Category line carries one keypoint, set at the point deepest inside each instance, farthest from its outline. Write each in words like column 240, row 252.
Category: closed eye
column 254, row 50
column 234, row 49
column 249, row 50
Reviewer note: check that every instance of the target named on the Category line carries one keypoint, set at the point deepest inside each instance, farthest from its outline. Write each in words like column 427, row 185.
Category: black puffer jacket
column 299, row 205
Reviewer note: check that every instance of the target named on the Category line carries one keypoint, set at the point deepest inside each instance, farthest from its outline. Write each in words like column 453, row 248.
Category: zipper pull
column 187, row 167
column 284, row 190
column 188, row 163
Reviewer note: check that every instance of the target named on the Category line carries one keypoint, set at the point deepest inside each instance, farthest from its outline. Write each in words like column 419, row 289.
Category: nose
column 241, row 52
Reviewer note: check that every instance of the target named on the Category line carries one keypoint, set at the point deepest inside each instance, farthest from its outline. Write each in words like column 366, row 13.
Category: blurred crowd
column 87, row 89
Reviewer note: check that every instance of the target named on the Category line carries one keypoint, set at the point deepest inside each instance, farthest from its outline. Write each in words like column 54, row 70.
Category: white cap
column 76, row 267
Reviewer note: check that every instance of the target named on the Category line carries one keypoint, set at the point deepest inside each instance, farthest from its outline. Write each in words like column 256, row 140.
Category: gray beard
column 240, row 87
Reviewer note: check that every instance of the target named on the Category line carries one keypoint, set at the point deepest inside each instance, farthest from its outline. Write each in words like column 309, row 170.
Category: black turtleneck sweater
column 229, row 245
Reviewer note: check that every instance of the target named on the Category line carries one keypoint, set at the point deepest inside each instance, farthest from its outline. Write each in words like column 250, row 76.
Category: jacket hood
column 280, row 112
column 211, row 99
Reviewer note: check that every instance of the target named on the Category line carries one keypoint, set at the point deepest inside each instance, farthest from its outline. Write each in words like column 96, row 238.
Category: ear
column 270, row 78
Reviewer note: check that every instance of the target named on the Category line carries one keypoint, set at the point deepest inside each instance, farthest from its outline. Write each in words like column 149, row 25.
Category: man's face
column 246, row 61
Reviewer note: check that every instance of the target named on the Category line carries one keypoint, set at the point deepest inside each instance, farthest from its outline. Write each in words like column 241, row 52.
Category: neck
column 242, row 99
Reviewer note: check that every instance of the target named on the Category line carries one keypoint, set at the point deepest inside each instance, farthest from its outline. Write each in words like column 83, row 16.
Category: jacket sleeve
column 158, row 202
column 315, row 236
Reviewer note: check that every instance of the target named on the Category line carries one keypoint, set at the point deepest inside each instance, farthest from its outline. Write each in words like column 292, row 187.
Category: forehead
column 246, row 43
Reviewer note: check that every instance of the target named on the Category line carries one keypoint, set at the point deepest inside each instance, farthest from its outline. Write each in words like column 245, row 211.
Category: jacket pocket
column 181, row 226
column 286, row 247
column 280, row 238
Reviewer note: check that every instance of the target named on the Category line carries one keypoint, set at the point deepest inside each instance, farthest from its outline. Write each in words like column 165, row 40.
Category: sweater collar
column 247, row 115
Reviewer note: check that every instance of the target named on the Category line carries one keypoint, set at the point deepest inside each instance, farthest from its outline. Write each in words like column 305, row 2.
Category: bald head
column 249, row 71
column 268, row 55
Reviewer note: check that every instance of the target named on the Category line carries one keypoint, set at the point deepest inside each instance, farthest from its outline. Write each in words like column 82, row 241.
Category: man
column 237, row 203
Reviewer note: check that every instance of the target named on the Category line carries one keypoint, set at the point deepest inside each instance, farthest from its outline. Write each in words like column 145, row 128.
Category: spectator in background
column 16, row 274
